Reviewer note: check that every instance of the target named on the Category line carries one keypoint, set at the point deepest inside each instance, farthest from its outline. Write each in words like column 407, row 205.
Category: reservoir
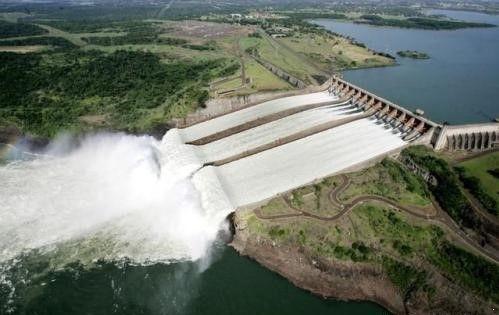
column 458, row 84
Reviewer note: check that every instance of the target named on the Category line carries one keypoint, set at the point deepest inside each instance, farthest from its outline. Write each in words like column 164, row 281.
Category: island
column 413, row 54
column 418, row 22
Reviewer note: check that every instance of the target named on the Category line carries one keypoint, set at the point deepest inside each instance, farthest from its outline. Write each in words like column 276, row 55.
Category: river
column 117, row 224
column 458, row 84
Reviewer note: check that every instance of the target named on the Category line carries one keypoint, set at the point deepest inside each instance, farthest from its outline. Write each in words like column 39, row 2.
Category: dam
column 262, row 150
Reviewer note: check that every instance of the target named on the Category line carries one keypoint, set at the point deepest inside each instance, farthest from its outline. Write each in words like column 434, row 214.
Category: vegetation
column 419, row 22
column 447, row 192
column 84, row 25
column 57, row 42
column 474, row 185
column 391, row 180
column 409, row 250
column 405, row 277
column 133, row 39
column 470, row 270
column 494, row 172
column 413, row 54
column 313, row 15
column 43, row 94
column 8, row 29
column 485, row 169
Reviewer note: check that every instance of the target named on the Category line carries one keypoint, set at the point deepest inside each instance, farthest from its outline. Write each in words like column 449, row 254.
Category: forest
column 419, row 22
column 8, row 29
column 43, row 94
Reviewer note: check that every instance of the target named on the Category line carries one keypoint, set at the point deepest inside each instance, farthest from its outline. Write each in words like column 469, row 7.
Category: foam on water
column 117, row 195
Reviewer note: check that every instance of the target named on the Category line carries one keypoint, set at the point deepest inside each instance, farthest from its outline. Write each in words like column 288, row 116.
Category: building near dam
column 258, row 151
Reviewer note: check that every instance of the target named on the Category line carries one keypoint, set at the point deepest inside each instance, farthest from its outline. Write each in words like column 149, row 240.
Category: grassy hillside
column 411, row 249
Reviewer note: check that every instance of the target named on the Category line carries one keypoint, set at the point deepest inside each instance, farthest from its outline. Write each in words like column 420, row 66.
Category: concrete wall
column 416, row 127
column 473, row 137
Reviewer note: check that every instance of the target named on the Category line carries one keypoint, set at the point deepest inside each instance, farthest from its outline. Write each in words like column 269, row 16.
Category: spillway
column 254, row 112
column 259, row 161
column 261, row 176
column 273, row 131
column 121, row 196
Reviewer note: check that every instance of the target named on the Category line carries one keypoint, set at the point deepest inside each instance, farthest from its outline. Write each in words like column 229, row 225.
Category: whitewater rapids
column 114, row 196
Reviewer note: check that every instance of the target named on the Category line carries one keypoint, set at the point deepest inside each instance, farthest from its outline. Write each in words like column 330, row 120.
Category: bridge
column 260, row 150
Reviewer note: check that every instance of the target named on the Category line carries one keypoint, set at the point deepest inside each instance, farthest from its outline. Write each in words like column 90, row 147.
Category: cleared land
column 333, row 53
column 23, row 49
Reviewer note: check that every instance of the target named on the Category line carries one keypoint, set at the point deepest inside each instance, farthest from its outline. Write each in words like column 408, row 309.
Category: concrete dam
column 262, row 150
column 254, row 153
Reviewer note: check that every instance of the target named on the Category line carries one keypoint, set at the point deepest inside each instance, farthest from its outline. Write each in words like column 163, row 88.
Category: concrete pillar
column 402, row 117
column 410, row 122
column 459, row 144
column 479, row 141
column 384, row 111
column 450, row 143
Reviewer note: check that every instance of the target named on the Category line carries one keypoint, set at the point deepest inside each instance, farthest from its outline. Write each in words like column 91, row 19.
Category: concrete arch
column 451, row 143
column 479, row 138
column 459, row 143
column 486, row 140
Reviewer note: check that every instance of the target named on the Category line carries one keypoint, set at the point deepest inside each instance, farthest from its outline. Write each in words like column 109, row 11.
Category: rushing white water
column 242, row 116
column 261, row 176
column 114, row 196
column 242, row 141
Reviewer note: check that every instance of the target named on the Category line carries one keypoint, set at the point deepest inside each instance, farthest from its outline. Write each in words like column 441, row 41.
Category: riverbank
column 454, row 85
column 395, row 248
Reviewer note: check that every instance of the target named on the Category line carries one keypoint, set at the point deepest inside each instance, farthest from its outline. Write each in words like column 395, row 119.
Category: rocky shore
column 348, row 280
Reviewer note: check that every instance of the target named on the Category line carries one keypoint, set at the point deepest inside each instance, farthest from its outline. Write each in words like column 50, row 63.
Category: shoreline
column 349, row 285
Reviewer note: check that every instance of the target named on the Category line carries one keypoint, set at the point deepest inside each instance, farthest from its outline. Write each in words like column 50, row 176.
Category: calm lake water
column 459, row 84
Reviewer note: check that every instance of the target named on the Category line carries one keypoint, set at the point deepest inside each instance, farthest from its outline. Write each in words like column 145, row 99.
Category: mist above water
column 111, row 197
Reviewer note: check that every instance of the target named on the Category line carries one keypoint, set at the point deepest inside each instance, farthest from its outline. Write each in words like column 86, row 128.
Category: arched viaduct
column 476, row 137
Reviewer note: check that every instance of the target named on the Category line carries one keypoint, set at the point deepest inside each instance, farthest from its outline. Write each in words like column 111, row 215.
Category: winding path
column 439, row 216
column 345, row 207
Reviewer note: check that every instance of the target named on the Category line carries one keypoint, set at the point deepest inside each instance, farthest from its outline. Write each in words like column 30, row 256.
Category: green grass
column 280, row 56
column 448, row 189
column 391, row 180
column 330, row 52
column 480, row 167
column 262, row 79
